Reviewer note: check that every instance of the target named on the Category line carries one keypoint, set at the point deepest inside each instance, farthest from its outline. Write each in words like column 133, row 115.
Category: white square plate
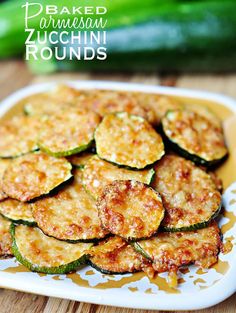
column 197, row 289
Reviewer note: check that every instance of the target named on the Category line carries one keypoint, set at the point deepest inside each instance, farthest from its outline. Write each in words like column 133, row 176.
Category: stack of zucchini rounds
column 118, row 180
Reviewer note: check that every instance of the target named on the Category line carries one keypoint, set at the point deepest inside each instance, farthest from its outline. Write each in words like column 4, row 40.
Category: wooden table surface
column 14, row 75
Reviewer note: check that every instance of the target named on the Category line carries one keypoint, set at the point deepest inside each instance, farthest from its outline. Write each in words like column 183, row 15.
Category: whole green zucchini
column 119, row 13
column 182, row 36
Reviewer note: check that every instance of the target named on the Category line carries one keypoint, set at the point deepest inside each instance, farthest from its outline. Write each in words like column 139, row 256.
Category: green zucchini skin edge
column 137, row 247
column 20, row 221
column 189, row 156
column 101, row 270
column 62, row 269
column 92, row 240
column 194, row 226
column 67, row 152
column 20, row 154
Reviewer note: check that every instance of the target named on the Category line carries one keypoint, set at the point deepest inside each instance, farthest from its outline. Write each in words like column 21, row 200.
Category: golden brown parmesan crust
column 33, row 175
column 130, row 209
column 3, row 165
column 115, row 259
column 195, row 134
column 188, row 193
column 128, row 140
column 68, row 131
column 160, row 104
column 169, row 251
column 98, row 173
column 16, row 210
column 18, row 136
column 5, row 238
column 71, row 214
column 42, row 104
column 43, row 251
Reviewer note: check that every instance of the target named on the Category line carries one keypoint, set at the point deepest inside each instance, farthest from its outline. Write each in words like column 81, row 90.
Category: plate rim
column 204, row 299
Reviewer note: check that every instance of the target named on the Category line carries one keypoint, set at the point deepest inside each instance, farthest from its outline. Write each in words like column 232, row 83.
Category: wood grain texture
column 14, row 75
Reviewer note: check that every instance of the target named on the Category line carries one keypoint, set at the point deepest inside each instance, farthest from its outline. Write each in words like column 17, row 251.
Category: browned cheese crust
column 195, row 134
column 128, row 140
column 71, row 214
column 169, row 251
column 116, row 256
column 5, row 238
column 188, row 193
column 130, row 209
column 98, row 173
column 18, row 136
column 33, row 175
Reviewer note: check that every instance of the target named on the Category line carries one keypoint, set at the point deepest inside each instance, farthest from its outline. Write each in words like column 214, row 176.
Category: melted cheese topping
column 33, row 175
column 158, row 103
column 41, row 104
column 106, row 101
column 3, row 165
column 128, row 140
column 188, row 193
column 69, row 215
column 169, row 251
column 67, row 131
column 205, row 112
column 120, row 259
column 79, row 160
column 5, row 237
column 16, row 210
column 18, row 136
column 44, row 251
column 130, row 209
column 98, row 173
column 195, row 134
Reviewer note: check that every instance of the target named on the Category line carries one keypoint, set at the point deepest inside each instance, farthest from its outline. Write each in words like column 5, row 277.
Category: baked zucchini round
column 130, row 209
column 44, row 254
column 98, row 173
column 189, row 195
column 34, row 175
column 5, row 238
column 128, row 140
column 194, row 137
column 115, row 256
column 68, row 132
column 18, row 136
column 169, row 251
column 3, row 165
column 17, row 211
column 69, row 215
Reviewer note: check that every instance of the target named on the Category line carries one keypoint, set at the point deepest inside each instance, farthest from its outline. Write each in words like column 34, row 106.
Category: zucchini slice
column 169, row 251
column 159, row 104
column 128, row 140
column 3, row 165
column 44, row 254
column 98, row 173
column 114, row 257
column 194, row 137
column 18, row 136
column 5, row 238
column 42, row 104
column 205, row 112
column 189, row 195
column 130, row 209
column 68, row 132
column 69, row 215
column 17, row 211
column 79, row 160
column 34, row 175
